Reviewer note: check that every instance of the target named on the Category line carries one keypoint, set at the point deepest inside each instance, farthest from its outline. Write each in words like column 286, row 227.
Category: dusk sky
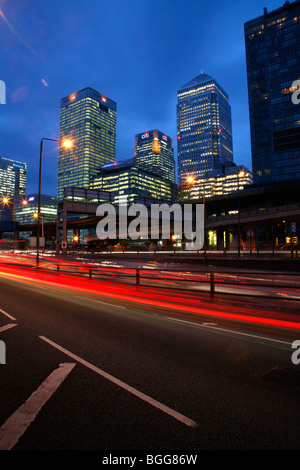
column 136, row 52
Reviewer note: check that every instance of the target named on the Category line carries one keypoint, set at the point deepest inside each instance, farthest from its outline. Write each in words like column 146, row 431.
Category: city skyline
column 61, row 55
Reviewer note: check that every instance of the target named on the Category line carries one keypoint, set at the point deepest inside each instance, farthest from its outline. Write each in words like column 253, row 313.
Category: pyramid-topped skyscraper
column 204, row 129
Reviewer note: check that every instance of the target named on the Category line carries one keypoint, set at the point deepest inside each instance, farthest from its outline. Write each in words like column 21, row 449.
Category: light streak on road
column 149, row 297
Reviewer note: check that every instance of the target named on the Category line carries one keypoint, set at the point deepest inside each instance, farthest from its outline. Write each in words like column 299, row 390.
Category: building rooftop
column 202, row 78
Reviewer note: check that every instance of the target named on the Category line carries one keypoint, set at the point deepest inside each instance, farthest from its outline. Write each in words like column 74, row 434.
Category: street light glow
column 67, row 143
column 190, row 179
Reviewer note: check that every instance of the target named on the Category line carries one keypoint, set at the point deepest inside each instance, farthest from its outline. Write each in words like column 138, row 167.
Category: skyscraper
column 127, row 181
column 153, row 151
column 25, row 213
column 273, row 57
column 204, row 129
column 89, row 119
column 13, row 177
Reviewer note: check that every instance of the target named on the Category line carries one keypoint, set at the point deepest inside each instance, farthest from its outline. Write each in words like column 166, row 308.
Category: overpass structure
column 268, row 217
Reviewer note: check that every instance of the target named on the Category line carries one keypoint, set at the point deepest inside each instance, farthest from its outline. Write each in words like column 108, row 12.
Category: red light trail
column 150, row 297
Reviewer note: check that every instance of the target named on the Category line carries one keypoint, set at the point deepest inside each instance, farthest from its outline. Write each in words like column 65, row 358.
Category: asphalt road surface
column 93, row 370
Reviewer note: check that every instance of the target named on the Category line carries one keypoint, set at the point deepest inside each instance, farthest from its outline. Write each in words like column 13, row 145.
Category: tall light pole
column 6, row 201
column 241, row 173
column 67, row 143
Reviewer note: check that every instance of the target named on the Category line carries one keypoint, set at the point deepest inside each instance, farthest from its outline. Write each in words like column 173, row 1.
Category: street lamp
column 6, row 201
column 66, row 143
column 239, row 174
column 35, row 215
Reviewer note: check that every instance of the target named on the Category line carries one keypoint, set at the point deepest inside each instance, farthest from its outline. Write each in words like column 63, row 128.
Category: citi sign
column 2, row 92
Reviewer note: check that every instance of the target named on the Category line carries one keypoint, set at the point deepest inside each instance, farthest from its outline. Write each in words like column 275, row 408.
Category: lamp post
column 6, row 201
column 241, row 173
column 67, row 143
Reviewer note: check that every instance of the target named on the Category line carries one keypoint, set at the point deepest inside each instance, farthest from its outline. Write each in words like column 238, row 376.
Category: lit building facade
column 230, row 179
column 127, row 181
column 13, row 177
column 273, row 56
column 153, row 151
column 88, row 118
column 204, row 128
column 25, row 213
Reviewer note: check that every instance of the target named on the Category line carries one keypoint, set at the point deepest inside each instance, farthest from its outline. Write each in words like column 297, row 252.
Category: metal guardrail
column 291, row 251
column 212, row 279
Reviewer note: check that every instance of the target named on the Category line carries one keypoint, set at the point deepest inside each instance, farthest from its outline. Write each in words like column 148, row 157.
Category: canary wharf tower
column 204, row 129
column 88, row 118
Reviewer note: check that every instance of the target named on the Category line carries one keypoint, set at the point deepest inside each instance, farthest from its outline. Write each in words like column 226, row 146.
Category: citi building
column 153, row 151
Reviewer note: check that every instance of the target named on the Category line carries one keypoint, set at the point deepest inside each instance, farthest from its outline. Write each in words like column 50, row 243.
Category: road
column 277, row 286
column 100, row 366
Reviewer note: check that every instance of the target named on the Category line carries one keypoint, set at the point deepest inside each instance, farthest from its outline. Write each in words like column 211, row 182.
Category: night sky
column 136, row 52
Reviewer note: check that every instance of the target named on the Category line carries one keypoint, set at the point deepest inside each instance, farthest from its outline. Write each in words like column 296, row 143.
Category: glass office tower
column 218, row 183
column 126, row 182
column 273, row 64
column 204, row 129
column 25, row 214
column 89, row 119
column 13, row 177
column 153, row 151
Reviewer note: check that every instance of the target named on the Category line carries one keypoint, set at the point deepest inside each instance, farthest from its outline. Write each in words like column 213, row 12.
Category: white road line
column 15, row 426
column 224, row 330
column 99, row 301
column 7, row 327
column 125, row 386
column 7, row 314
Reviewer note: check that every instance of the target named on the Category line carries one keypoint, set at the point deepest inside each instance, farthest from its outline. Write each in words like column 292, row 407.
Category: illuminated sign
column 72, row 97
column 145, row 136
column 110, row 165
column 165, row 137
column 31, row 198
column 103, row 99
